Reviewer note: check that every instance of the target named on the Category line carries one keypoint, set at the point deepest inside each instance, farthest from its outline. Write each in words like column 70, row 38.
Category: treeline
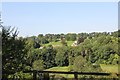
column 19, row 54
column 47, row 38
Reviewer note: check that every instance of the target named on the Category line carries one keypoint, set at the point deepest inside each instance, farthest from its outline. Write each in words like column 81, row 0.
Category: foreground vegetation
column 92, row 52
column 109, row 68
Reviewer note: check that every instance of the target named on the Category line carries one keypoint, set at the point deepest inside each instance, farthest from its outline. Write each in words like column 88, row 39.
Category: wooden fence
column 61, row 72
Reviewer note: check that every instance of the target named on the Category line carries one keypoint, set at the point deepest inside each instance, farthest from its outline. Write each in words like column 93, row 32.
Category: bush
column 38, row 65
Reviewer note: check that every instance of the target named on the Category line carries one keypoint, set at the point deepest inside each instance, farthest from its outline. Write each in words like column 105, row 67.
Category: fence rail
column 62, row 72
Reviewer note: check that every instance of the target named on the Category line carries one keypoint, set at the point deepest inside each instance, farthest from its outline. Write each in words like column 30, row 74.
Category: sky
column 33, row 18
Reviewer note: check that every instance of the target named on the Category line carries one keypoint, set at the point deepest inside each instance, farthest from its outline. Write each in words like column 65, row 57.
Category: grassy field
column 65, row 68
column 69, row 43
column 109, row 68
column 55, row 44
column 106, row 68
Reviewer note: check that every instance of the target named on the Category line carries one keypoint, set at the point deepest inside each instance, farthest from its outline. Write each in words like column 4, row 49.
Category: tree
column 115, row 34
column 36, row 43
column 44, row 41
column 61, row 58
column 0, row 45
column 13, row 51
column 40, row 36
column 67, row 37
column 101, row 39
column 80, row 40
column 48, row 56
column 73, row 37
column 72, row 53
column 79, row 63
column 38, row 65
column 63, row 41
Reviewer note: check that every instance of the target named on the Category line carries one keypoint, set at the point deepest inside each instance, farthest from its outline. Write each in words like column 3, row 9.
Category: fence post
column 75, row 76
column 46, row 76
column 34, row 75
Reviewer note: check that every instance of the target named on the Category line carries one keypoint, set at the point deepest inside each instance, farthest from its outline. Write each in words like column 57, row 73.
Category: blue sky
column 33, row 18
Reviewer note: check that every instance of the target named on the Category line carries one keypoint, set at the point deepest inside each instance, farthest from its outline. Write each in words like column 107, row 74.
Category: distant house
column 74, row 44
column 41, row 47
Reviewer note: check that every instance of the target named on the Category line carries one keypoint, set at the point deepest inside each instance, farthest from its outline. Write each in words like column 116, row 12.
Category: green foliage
column 32, row 55
column 13, row 51
column 79, row 63
column 43, row 52
column 63, row 42
column 61, row 58
column 73, row 37
column 38, row 65
column 48, row 56
column 58, row 43
column 73, row 52
column 20, row 75
column 80, row 40
column 44, row 41
column 36, row 45
column 109, row 68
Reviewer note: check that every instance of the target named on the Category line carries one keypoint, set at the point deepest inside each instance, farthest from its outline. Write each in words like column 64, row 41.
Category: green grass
column 69, row 43
column 109, row 68
column 65, row 68
column 55, row 44
column 105, row 68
